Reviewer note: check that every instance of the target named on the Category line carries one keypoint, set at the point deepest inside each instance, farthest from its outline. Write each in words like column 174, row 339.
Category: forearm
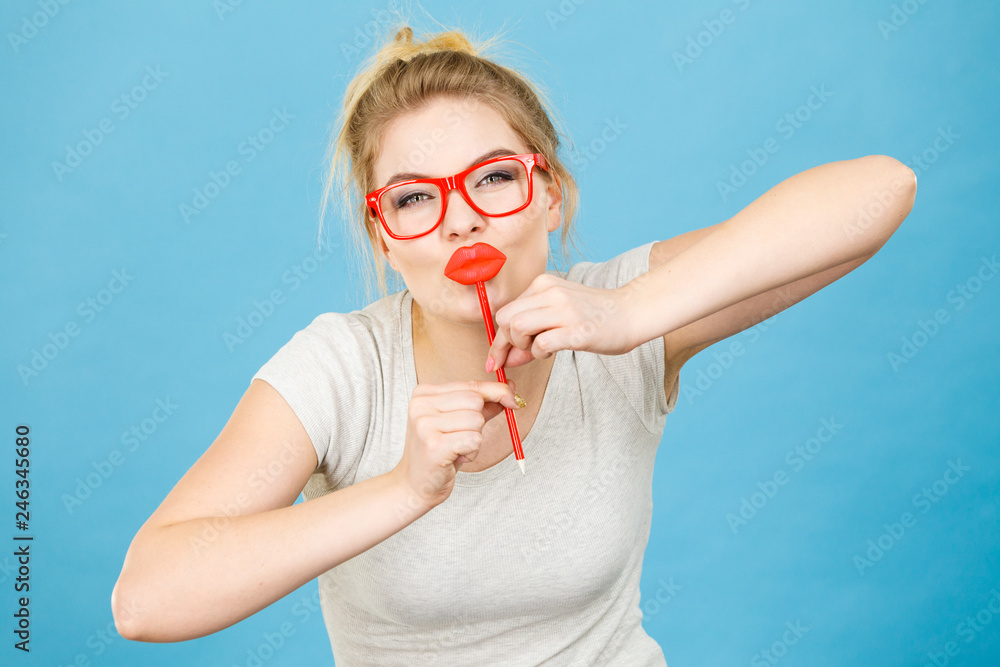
column 200, row 576
column 815, row 220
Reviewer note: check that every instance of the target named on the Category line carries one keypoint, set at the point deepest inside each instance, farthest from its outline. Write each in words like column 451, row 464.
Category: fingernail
column 520, row 401
column 489, row 364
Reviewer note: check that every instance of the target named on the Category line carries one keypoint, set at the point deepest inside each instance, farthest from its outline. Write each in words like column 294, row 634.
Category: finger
column 462, row 444
column 497, row 352
column 504, row 316
column 467, row 457
column 442, row 399
column 461, row 421
column 527, row 301
column 495, row 392
column 475, row 386
column 548, row 343
column 522, row 303
column 518, row 357
column 458, row 399
column 529, row 323
column 491, row 410
column 520, row 331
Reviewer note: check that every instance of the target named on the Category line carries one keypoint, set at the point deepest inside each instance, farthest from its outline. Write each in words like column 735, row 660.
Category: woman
column 429, row 545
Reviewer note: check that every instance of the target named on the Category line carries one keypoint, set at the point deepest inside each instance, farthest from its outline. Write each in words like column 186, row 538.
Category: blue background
column 62, row 235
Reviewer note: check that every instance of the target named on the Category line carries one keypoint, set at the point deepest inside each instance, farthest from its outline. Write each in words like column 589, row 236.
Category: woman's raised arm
column 835, row 215
column 711, row 283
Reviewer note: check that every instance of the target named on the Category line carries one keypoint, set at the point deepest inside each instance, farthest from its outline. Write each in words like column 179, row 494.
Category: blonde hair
column 404, row 76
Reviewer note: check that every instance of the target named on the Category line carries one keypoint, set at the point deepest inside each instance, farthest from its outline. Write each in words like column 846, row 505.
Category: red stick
column 484, row 304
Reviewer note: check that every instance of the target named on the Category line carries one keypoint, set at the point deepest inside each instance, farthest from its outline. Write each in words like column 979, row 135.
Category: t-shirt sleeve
column 324, row 374
column 638, row 373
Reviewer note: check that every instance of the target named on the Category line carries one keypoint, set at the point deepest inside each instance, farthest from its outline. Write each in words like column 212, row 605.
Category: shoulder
column 370, row 328
column 340, row 336
column 337, row 351
column 331, row 374
column 614, row 272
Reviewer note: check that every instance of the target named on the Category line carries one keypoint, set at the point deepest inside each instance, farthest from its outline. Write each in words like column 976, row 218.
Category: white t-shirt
column 514, row 570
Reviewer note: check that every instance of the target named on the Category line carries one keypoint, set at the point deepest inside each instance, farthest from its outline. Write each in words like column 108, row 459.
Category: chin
column 468, row 309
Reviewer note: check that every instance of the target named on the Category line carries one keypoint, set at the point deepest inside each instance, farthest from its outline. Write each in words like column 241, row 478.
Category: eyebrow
column 405, row 176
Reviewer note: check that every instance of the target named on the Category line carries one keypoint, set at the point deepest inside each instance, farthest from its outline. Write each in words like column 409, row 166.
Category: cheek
column 530, row 224
column 447, row 296
column 530, row 261
column 430, row 285
column 538, row 200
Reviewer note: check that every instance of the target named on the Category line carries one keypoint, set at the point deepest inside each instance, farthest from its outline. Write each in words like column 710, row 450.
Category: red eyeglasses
column 497, row 187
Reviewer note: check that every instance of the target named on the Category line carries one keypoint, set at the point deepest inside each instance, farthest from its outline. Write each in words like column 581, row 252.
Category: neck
column 448, row 352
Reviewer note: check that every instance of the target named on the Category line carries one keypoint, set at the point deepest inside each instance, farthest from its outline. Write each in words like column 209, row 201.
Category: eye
column 410, row 199
column 496, row 177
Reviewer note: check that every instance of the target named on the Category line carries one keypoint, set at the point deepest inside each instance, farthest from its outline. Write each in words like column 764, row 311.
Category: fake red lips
column 476, row 263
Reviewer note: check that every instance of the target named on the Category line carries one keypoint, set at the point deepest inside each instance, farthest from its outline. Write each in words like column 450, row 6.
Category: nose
column 460, row 219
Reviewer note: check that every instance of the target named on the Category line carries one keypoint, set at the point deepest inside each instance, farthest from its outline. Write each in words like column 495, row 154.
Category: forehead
column 441, row 138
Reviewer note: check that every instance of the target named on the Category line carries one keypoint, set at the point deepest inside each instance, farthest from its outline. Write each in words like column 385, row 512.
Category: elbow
column 898, row 179
column 142, row 612
column 895, row 189
column 903, row 184
column 125, row 611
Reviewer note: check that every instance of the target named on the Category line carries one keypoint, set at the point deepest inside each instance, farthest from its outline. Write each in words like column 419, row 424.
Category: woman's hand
column 555, row 314
column 444, row 429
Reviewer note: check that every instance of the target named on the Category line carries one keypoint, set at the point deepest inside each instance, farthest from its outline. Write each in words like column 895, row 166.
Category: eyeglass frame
column 457, row 182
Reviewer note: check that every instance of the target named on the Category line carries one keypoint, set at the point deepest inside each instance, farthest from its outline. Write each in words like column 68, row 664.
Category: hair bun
column 405, row 35
column 404, row 48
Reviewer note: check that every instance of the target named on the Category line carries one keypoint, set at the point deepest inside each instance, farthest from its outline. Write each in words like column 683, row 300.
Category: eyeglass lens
column 497, row 188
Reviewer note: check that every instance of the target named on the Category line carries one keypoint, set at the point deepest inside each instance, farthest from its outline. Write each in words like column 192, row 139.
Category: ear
column 554, row 190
